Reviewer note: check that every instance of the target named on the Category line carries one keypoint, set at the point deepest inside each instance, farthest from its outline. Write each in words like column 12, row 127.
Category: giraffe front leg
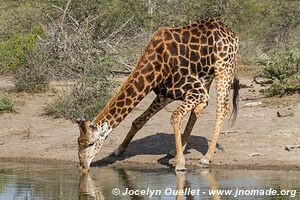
column 158, row 103
column 193, row 99
column 176, row 123
column 119, row 151
column 195, row 114
column 185, row 136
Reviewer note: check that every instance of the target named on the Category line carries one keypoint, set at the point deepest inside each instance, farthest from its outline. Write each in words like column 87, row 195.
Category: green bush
column 33, row 76
column 21, row 16
column 14, row 51
column 81, row 101
column 86, row 98
column 31, row 79
column 6, row 104
column 284, row 70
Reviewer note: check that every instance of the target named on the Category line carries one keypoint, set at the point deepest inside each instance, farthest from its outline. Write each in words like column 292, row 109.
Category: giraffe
column 177, row 64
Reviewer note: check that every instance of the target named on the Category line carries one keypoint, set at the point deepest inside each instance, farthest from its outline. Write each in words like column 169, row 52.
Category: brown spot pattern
column 175, row 61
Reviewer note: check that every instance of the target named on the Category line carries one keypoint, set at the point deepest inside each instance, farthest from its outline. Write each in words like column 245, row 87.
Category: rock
column 227, row 132
column 246, row 86
column 249, row 98
column 285, row 112
column 253, row 104
column 249, row 131
column 255, row 154
column 291, row 147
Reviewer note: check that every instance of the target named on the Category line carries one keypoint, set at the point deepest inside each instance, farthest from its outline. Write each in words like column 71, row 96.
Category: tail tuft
column 235, row 99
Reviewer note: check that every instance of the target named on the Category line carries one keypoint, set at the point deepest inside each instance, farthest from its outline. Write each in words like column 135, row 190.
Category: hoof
column 205, row 161
column 119, row 152
column 180, row 173
column 171, row 154
column 180, row 169
column 180, row 166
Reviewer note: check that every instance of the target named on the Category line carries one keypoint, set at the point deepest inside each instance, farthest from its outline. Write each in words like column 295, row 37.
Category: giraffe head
column 90, row 141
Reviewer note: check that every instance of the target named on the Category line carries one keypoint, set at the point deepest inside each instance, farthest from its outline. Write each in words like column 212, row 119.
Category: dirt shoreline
column 147, row 166
column 257, row 141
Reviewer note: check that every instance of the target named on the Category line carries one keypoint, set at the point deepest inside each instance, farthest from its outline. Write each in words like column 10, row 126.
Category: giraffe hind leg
column 222, row 111
column 158, row 103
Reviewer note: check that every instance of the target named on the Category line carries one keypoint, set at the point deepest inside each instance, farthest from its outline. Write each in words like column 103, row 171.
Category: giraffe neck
column 134, row 89
column 121, row 104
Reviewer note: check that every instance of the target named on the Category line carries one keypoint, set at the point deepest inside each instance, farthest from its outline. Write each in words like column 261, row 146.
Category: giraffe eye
column 91, row 144
column 92, row 126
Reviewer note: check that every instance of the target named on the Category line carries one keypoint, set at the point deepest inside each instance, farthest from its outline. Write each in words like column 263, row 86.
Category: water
column 52, row 182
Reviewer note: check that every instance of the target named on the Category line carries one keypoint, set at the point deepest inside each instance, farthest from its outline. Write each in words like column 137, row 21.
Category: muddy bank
column 144, row 166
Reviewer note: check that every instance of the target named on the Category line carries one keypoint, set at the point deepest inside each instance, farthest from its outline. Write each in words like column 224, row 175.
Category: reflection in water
column 180, row 183
column 128, row 183
column 88, row 189
column 184, row 185
column 40, row 182
column 212, row 182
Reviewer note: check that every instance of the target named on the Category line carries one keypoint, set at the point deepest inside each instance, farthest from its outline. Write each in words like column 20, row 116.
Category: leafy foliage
column 284, row 70
column 87, row 96
column 6, row 104
column 13, row 52
column 81, row 101
column 19, row 17
column 96, row 37
column 33, row 76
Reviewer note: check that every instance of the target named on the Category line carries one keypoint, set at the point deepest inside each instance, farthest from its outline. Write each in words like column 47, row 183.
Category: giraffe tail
column 235, row 99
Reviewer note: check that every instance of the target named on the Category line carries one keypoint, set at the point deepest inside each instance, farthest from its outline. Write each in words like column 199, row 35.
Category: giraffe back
column 176, row 59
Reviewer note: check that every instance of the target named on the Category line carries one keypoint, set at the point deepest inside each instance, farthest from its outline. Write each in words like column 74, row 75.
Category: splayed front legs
column 158, row 103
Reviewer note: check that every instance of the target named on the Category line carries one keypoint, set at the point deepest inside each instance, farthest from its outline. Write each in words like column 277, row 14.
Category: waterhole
column 58, row 182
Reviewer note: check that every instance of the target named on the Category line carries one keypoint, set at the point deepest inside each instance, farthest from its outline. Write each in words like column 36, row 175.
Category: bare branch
column 127, row 66
column 57, row 7
column 120, row 29
column 120, row 72
column 44, row 11
column 65, row 12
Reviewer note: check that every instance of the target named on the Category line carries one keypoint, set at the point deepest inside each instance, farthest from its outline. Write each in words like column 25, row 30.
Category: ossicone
column 80, row 120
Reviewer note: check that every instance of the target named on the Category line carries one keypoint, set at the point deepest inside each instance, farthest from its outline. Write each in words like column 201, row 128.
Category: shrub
column 13, row 52
column 81, row 101
column 72, row 54
column 6, row 104
column 33, row 76
column 87, row 96
column 284, row 71
column 20, row 17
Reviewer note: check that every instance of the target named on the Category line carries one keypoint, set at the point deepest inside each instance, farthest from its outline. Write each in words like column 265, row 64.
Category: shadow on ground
column 158, row 144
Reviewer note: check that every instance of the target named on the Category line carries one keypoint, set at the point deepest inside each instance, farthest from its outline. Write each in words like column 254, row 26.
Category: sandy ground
column 257, row 140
